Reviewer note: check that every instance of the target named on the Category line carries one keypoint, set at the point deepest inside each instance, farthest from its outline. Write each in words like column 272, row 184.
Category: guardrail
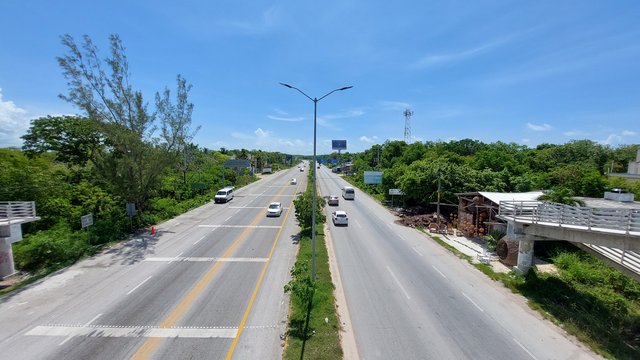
column 626, row 220
column 17, row 209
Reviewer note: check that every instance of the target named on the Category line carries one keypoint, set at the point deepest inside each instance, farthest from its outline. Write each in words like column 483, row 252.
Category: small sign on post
column 86, row 220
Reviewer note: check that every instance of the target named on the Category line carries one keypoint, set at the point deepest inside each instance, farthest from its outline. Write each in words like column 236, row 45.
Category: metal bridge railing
column 17, row 209
column 626, row 220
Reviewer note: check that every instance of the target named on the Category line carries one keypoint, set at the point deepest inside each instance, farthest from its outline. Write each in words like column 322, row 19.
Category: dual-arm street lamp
column 315, row 191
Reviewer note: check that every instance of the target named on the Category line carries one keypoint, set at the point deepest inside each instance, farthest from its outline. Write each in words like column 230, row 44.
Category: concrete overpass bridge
column 612, row 233
column 12, row 215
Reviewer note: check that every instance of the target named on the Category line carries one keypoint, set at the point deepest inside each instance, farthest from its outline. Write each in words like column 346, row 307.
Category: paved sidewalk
column 474, row 249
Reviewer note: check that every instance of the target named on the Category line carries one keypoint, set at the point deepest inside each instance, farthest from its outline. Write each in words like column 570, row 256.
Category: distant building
column 633, row 170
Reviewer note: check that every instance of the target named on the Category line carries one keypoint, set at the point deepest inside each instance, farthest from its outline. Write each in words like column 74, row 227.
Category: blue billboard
column 339, row 144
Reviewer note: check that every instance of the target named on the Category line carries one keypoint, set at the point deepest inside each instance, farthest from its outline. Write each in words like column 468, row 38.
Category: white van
column 348, row 193
column 224, row 195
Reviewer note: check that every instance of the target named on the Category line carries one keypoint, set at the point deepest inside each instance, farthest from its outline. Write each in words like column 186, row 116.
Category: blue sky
column 527, row 72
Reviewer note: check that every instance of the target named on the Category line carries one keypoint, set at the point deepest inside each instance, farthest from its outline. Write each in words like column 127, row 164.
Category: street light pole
column 315, row 189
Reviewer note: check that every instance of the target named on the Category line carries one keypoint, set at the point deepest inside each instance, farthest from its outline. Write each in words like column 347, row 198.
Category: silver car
column 274, row 209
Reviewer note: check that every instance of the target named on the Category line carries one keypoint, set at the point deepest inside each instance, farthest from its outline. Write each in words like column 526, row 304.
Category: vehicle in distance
column 333, row 200
column 301, row 169
column 294, row 181
column 348, row 193
column 339, row 217
column 274, row 209
column 224, row 195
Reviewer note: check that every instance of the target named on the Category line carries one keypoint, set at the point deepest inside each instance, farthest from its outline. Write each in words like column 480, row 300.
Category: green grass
column 322, row 339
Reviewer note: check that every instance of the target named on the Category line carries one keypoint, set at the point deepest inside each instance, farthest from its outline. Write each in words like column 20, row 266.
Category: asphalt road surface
column 408, row 298
column 209, row 285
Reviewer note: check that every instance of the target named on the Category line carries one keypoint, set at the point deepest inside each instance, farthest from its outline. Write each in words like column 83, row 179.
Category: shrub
column 50, row 248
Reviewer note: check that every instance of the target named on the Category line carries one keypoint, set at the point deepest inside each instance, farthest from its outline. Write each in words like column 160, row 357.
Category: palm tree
column 561, row 195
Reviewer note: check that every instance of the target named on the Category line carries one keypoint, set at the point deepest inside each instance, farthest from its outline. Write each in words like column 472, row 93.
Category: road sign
column 131, row 209
column 373, row 177
column 86, row 220
column 339, row 144
column 395, row 192
column 237, row 163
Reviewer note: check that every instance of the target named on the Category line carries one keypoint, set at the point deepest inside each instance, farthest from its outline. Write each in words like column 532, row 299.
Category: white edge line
column 398, row 282
column 473, row 302
column 202, row 238
column 227, row 219
column 439, row 272
column 524, row 348
column 134, row 289
column 417, row 252
column 176, row 257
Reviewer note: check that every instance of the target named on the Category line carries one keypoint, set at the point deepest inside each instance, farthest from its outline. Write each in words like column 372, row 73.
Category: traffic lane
column 222, row 305
column 525, row 328
column 395, row 262
column 266, row 323
column 411, row 305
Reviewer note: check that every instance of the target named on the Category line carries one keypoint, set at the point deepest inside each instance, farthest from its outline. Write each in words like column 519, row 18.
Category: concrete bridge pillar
column 8, row 235
column 515, row 231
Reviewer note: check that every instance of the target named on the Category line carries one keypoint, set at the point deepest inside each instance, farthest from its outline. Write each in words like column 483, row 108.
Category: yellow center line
column 257, row 287
column 181, row 308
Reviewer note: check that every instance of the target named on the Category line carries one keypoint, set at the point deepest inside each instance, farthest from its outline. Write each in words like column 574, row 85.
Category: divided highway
column 208, row 285
column 408, row 298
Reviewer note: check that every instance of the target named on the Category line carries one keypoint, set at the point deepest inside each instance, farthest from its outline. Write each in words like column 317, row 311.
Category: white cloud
column 628, row 133
column 241, row 136
column 267, row 21
column 525, row 141
column 345, row 115
column 438, row 59
column 367, row 139
column 575, row 133
column 266, row 140
column 284, row 116
column 394, row 105
column 612, row 139
column 543, row 127
column 14, row 122
column 261, row 134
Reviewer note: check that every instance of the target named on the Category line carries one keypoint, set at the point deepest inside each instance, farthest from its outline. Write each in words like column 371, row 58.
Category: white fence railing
column 626, row 220
column 17, row 209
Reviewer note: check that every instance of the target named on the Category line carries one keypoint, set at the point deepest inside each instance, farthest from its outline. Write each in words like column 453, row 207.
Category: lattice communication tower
column 407, row 125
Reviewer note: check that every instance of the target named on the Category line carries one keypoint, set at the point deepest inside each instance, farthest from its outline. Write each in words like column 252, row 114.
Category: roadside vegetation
column 313, row 328
column 120, row 151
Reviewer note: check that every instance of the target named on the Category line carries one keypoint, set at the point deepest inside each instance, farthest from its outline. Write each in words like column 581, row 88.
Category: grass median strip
column 314, row 328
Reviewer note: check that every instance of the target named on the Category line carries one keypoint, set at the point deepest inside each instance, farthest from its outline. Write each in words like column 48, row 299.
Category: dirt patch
column 13, row 279
column 419, row 218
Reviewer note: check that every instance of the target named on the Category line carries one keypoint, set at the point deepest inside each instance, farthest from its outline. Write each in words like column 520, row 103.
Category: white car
column 274, row 209
column 339, row 217
column 294, row 181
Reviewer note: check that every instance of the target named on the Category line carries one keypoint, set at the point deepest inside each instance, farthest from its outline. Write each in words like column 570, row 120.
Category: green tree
column 74, row 139
column 304, row 209
column 133, row 162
